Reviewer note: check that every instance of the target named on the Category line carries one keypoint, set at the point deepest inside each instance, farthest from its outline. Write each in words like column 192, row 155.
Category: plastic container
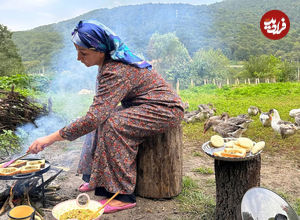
column 22, row 212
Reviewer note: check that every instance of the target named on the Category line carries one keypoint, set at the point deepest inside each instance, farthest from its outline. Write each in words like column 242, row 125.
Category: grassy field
column 236, row 100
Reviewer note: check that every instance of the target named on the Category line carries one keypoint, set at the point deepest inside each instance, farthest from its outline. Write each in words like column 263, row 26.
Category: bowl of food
column 75, row 209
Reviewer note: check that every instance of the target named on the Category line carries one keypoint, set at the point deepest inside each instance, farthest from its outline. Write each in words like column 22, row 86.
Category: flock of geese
column 228, row 126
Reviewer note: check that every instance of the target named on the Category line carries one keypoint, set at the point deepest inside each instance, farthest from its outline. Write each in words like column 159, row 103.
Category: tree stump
column 233, row 179
column 159, row 165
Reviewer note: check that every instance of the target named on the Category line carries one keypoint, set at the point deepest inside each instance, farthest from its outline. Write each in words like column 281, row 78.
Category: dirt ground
column 277, row 173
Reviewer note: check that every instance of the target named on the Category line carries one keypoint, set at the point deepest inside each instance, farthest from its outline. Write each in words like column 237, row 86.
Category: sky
column 20, row 15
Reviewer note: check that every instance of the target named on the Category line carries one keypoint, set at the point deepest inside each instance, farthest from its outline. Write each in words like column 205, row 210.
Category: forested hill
column 232, row 25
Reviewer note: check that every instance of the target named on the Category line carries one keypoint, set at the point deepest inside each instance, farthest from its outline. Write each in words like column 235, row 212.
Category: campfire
column 30, row 189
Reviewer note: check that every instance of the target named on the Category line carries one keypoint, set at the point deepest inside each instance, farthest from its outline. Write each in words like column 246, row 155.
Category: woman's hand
column 40, row 143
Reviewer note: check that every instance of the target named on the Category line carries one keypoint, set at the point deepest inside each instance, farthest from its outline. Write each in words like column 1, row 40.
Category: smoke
column 70, row 77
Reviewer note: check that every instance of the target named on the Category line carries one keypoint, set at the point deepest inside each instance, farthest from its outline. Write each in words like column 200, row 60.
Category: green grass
column 194, row 201
column 210, row 182
column 237, row 99
column 203, row 170
column 197, row 154
column 297, row 206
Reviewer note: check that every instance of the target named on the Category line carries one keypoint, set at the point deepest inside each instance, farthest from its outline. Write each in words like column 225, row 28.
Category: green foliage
column 170, row 55
column 9, row 143
column 25, row 82
column 261, row 90
column 237, row 31
column 204, row 170
column 231, row 25
column 19, row 80
column 10, row 61
column 265, row 66
column 194, row 201
column 38, row 48
column 209, row 64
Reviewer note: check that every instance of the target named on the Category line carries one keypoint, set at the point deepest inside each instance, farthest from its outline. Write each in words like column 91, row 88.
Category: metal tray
column 210, row 150
column 28, row 175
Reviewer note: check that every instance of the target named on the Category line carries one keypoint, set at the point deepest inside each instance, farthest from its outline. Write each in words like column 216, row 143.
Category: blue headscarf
column 94, row 35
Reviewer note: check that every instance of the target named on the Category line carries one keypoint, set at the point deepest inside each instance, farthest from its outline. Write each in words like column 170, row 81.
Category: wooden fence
column 219, row 83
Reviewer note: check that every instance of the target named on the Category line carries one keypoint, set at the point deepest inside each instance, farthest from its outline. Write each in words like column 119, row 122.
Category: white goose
column 297, row 120
column 265, row 119
column 294, row 112
column 284, row 128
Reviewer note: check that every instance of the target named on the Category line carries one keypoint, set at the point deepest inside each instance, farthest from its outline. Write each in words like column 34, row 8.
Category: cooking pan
column 69, row 205
column 28, row 175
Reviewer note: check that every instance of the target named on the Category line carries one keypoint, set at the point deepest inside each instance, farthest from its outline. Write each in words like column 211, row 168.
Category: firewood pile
column 16, row 109
column 204, row 112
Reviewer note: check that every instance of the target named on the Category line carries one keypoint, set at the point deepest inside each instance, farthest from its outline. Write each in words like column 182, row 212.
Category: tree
column 269, row 66
column 170, row 56
column 210, row 64
column 10, row 61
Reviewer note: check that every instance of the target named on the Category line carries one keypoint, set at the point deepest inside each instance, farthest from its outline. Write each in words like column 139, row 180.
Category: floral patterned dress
column 149, row 106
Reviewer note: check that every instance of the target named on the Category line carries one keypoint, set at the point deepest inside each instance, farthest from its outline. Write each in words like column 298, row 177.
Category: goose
column 253, row 110
column 240, row 121
column 190, row 116
column 209, row 108
column 245, row 116
column 205, row 107
column 297, row 120
column 186, row 106
column 215, row 117
column 294, row 112
column 284, row 128
column 195, row 116
column 225, row 129
column 265, row 119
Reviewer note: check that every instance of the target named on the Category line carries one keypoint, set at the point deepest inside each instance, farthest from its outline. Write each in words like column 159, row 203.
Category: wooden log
column 4, row 206
column 233, row 179
column 159, row 165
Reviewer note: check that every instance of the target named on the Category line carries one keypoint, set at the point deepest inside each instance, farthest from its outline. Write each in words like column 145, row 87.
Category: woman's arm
column 40, row 143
